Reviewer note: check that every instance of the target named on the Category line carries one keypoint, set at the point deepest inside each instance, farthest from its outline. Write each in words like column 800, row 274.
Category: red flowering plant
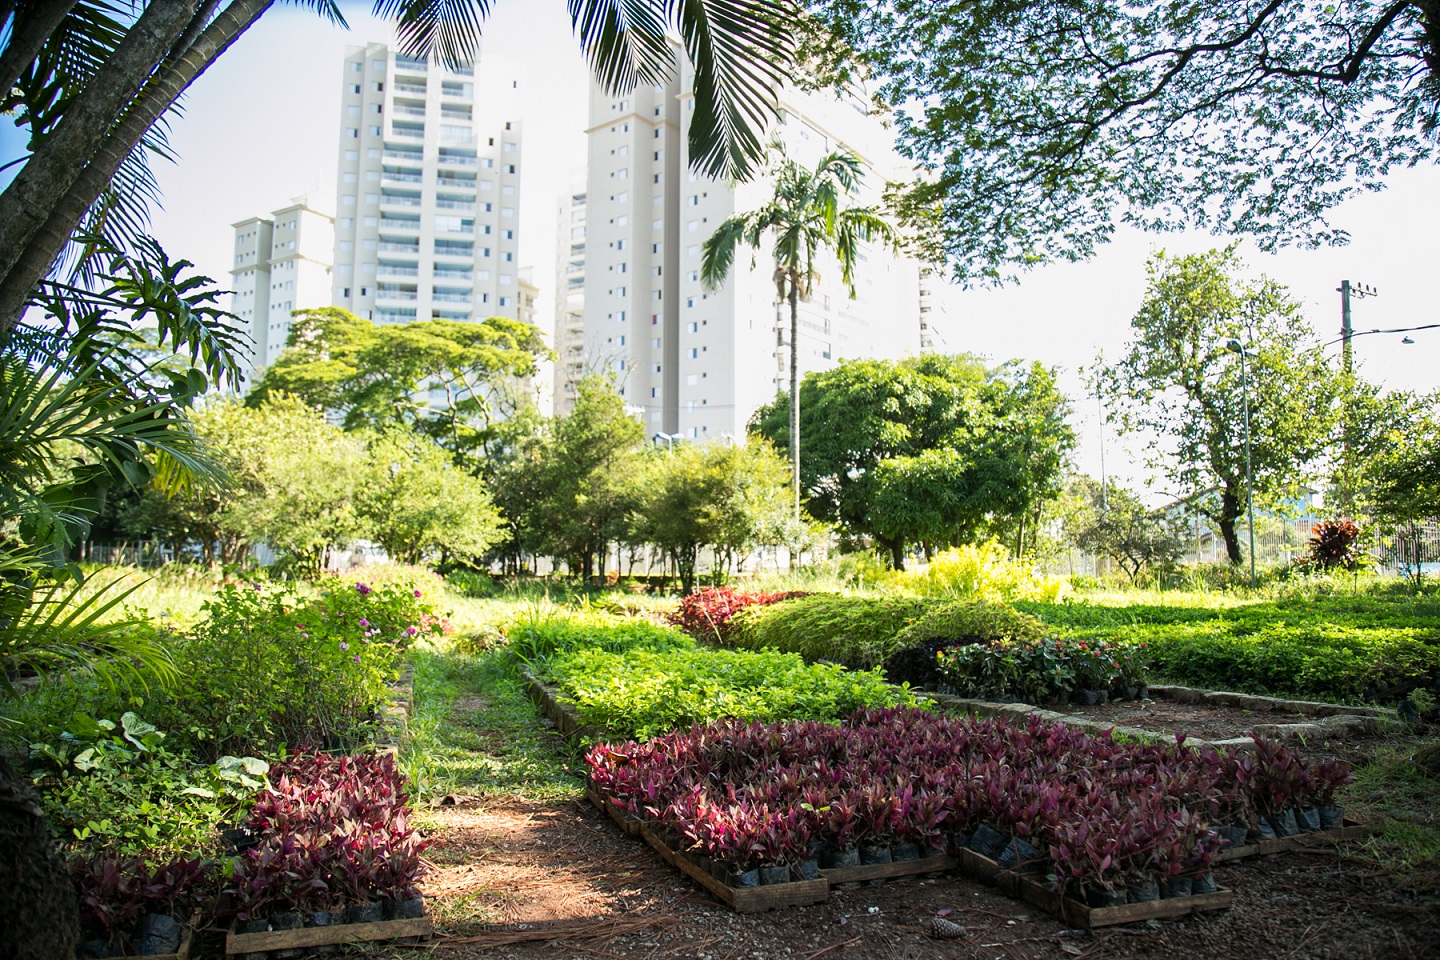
column 707, row 614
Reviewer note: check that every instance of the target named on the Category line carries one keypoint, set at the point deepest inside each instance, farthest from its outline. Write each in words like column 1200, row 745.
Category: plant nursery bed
column 1348, row 830
column 1044, row 896
column 302, row 937
column 1200, row 721
column 547, row 698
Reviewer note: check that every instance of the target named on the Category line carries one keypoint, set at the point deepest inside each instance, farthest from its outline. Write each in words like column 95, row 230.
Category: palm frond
column 327, row 9
column 742, row 52
column 624, row 41
column 62, row 627
column 447, row 28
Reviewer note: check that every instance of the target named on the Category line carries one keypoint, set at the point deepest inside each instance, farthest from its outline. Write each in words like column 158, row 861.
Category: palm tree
column 94, row 89
column 805, row 216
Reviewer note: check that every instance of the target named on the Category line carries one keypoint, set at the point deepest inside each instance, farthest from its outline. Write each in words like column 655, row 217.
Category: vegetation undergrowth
column 475, row 732
column 1397, row 798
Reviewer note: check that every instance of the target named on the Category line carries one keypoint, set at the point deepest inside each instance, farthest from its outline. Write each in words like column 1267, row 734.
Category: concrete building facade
column 700, row 362
column 569, row 343
column 427, row 221
column 282, row 263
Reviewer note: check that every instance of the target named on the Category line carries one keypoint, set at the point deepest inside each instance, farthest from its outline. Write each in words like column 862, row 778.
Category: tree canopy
column 1179, row 387
column 1042, row 125
column 929, row 450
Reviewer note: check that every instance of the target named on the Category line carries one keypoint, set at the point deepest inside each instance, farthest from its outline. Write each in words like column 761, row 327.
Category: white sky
column 261, row 126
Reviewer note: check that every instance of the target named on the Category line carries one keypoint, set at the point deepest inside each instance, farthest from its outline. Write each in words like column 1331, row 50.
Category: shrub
column 952, row 625
column 981, row 572
column 708, row 614
column 270, row 667
column 642, row 693
column 859, row 632
column 1334, row 544
column 1039, row 671
column 543, row 632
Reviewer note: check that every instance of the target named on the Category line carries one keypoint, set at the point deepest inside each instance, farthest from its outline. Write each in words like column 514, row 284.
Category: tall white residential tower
column 282, row 264
column 427, row 223
column 699, row 361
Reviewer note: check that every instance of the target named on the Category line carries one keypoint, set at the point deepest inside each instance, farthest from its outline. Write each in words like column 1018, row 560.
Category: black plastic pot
column 1178, row 887
column 1233, row 834
column 774, row 875
column 874, row 855
column 744, row 878
column 1331, row 816
column 157, row 933
column 372, row 912
column 1284, row 824
column 323, row 918
column 1093, row 698
column 840, row 858
column 1022, row 856
column 1205, row 883
column 807, row 870
column 1060, row 698
column 906, row 851
column 1265, row 829
column 96, row 949
column 1308, row 820
column 1145, row 891
column 1099, row 897
column 290, row 920
column 986, row 842
column 412, row 909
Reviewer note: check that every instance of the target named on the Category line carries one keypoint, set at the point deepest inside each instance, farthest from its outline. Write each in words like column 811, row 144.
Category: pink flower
column 419, row 594
column 344, row 645
column 357, row 658
column 364, row 622
column 361, row 589
column 411, row 630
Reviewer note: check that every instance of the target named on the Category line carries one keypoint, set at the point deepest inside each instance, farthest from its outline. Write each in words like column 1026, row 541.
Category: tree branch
column 31, row 27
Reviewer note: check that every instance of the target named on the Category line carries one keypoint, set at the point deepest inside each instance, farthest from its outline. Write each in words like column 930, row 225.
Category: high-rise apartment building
column 700, row 361
column 282, row 264
column 570, row 360
column 427, row 223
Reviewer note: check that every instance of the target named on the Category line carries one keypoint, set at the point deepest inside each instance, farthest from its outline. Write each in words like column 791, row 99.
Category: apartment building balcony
column 412, row 132
column 455, row 182
column 389, row 176
column 411, row 63
column 399, row 111
column 381, row 293
column 396, row 223
column 396, row 270
column 450, row 297
column 393, row 246
column 410, row 156
column 409, row 88
column 444, row 274
column 391, row 200
column 458, row 161
column 455, row 205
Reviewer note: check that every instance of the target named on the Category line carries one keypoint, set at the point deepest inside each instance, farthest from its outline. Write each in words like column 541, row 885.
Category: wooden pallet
column 324, row 936
column 1048, row 898
column 1348, row 830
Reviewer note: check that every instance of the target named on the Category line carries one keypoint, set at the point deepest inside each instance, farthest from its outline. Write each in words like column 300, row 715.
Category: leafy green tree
column 1179, row 387
column 806, row 215
column 1115, row 523
column 1046, row 123
column 932, row 450
column 413, row 502
column 94, row 86
column 1405, row 486
column 730, row 498
column 580, row 476
column 380, row 376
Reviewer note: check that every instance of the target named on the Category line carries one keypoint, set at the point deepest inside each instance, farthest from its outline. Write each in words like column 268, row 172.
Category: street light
column 1234, row 347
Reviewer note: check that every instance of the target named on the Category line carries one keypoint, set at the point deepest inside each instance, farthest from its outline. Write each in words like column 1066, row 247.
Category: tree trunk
column 37, row 901
column 34, row 255
column 1229, row 514
column 795, row 392
column 897, row 552
column 29, row 31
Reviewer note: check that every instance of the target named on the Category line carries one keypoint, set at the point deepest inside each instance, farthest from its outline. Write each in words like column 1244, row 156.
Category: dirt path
column 513, row 870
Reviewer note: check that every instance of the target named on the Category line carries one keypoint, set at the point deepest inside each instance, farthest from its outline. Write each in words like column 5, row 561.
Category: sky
column 261, row 126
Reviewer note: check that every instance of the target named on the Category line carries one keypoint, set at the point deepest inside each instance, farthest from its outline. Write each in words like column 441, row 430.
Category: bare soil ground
column 1206, row 721
column 564, row 880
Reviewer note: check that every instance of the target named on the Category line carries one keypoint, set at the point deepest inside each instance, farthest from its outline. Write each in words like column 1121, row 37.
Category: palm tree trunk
column 795, row 392
column 29, row 30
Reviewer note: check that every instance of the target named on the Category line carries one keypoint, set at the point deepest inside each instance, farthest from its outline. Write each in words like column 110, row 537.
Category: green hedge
column 989, row 621
column 859, row 632
column 1325, row 648
column 543, row 633
column 642, row 693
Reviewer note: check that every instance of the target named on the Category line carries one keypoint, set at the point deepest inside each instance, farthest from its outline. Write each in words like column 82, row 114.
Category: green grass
column 1397, row 798
column 474, row 731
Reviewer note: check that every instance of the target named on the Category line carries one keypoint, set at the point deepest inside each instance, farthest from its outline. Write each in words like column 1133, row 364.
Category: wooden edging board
column 889, row 871
column 324, row 936
column 1072, row 911
column 1349, row 830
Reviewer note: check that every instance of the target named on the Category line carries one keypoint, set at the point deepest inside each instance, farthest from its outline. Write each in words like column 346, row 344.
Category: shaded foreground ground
column 532, row 871
column 516, row 869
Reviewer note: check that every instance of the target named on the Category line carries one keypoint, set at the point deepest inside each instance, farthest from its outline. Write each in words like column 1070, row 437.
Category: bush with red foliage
column 707, row 614
column 1333, row 544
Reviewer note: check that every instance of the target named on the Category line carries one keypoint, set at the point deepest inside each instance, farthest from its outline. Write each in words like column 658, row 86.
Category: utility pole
column 1359, row 291
column 1347, row 332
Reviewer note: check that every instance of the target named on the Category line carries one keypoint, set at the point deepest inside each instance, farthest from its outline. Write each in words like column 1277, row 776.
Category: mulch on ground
column 509, row 871
column 1204, row 721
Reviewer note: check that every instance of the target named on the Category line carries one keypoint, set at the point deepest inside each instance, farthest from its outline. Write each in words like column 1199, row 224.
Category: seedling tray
column 324, row 936
column 1045, row 897
column 794, row 893
column 1348, row 830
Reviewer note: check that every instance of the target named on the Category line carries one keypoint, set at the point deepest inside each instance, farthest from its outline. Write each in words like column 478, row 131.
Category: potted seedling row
column 333, row 859
column 755, row 805
column 130, row 909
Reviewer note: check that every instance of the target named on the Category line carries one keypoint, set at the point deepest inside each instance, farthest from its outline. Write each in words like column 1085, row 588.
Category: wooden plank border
column 1349, row 830
column 325, row 936
column 890, row 871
